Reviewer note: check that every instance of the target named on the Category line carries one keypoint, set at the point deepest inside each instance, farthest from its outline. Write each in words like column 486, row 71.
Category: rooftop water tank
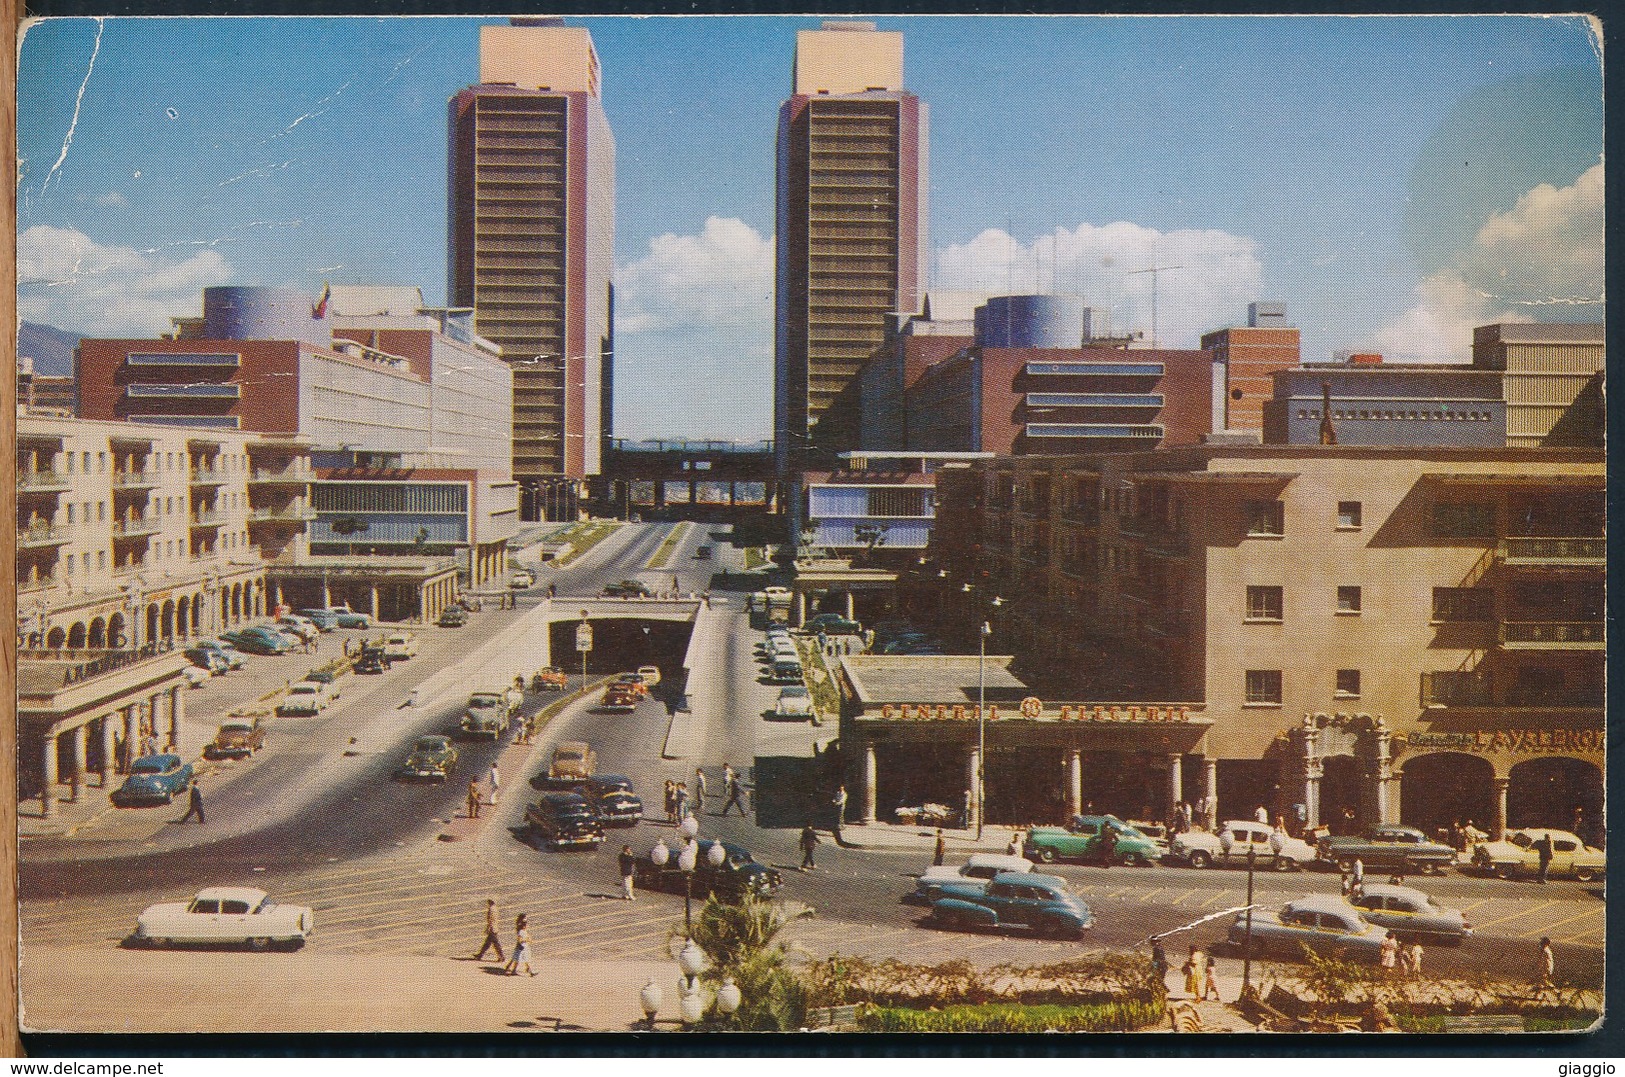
column 258, row 312
column 1030, row 321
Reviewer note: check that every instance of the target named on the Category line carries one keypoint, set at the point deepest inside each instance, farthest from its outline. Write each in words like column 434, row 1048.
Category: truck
column 1401, row 849
column 488, row 713
column 573, row 761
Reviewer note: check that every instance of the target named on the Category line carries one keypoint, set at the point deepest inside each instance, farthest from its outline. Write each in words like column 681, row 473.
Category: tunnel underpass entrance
column 620, row 644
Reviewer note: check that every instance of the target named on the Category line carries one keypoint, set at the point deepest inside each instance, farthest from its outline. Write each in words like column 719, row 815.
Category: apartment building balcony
column 133, row 527
column 40, row 536
column 298, row 476
column 204, row 476
column 1580, row 551
column 134, row 480
column 207, row 519
column 1553, row 635
column 286, row 514
column 37, row 582
column 1466, row 690
column 42, row 482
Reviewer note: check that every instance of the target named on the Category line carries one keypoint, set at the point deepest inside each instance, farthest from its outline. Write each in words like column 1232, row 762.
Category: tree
column 741, row 943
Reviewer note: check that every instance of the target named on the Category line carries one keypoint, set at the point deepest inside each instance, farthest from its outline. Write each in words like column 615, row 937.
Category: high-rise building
column 1552, row 378
column 530, row 237
column 851, row 228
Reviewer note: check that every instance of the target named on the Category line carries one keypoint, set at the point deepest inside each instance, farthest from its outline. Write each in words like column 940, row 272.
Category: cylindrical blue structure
column 1030, row 321
column 259, row 312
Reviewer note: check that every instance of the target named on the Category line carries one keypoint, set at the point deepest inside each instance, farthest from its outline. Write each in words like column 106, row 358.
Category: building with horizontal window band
column 1407, row 636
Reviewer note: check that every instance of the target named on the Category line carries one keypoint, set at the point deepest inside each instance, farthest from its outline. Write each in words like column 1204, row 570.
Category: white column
column 866, row 782
column 48, row 775
column 177, row 712
column 130, row 737
column 851, row 607
column 76, row 761
column 801, row 608
column 973, row 782
column 1210, row 790
column 1498, row 829
column 105, row 766
column 1176, row 782
column 375, row 602
column 1074, row 782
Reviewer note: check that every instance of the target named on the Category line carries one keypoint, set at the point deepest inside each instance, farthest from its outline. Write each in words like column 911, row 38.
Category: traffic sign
column 584, row 637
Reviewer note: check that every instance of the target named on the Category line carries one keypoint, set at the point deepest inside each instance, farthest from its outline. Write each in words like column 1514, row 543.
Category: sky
column 1394, row 180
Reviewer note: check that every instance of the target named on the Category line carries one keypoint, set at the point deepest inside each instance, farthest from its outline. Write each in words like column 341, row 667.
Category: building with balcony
column 530, row 241
column 1408, row 635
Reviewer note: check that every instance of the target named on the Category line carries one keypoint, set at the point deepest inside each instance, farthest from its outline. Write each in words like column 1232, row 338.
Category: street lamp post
column 649, row 1000
column 1247, row 952
column 985, row 630
column 584, row 645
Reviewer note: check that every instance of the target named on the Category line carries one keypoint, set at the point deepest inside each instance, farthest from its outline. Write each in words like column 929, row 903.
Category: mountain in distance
column 50, row 348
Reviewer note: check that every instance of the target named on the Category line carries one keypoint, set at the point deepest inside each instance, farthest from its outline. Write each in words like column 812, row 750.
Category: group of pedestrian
column 677, row 802
column 1397, row 958
column 682, row 800
column 521, row 942
column 1201, row 975
column 1464, row 837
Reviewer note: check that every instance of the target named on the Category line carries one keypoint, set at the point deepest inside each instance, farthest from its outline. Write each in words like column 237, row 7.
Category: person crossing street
column 194, row 805
column 736, row 796
column 492, row 941
column 809, row 842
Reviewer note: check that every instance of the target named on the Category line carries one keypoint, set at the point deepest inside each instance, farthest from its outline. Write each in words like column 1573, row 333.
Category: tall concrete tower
column 851, row 228
column 530, row 245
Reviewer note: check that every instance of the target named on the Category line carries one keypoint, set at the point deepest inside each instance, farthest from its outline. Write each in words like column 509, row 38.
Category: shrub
column 1093, row 979
column 1108, row 1017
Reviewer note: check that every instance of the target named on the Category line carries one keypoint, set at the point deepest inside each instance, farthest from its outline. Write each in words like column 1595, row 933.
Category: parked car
column 233, row 658
column 469, row 604
column 1079, row 840
column 612, row 796
column 832, row 624
column 650, row 675
column 619, row 699
column 1324, row 923
column 488, row 713
column 208, row 660
column 1157, row 834
column 432, row 758
column 452, row 617
column 1411, row 914
column 326, row 677
column 702, row 553
column 795, row 704
column 1516, row 855
column 303, row 628
column 348, row 618
column 628, row 589
column 522, row 578
column 738, row 874
column 372, row 659
column 222, row 914
column 1390, row 847
column 237, row 738
column 304, row 698
column 979, row 870
column 785, row 671
column 551, row 679
column 195, row 677
column 258, row 640
column 573, row 760
column 326, row 620
column 1039, row 903
column 399, row 645
column 1201, row 849
column 154, row 778
column 565, row 821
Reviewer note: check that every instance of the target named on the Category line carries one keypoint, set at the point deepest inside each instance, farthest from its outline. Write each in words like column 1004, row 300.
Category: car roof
column 793, row 690
column 999, row 860
column 1320, row 903
column 437, row 738
column 232, row 893
column 575, row 746
column 564, row 797
column 166, row 761
column 1390, row 890
column 1031, row 878
column 1537, row 831
column 238, row 723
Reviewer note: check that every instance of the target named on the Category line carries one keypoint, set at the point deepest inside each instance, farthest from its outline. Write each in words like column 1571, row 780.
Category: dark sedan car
column 628, row 589
column 738, row 874
column 614, row 799
column 432, row 759
column 1040, row 903
column 372, row 660
column 564, row 820
column 257, row 641
column 452, row 617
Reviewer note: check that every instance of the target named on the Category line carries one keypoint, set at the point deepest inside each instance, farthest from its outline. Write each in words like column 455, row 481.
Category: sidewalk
column 97, row 990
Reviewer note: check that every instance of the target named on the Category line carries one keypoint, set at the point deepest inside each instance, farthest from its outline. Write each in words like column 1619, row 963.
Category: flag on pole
column 320, row 309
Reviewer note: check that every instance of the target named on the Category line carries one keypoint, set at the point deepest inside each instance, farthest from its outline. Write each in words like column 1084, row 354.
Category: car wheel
column 1199, row 859
column 157, row 942
column 1501, row 871
column 169, row 798
column 1284, row 863
column 1585, row 875
column 1046, row 855
column 1133, row 860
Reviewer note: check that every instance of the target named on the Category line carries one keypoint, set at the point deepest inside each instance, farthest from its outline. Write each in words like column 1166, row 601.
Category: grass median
column 663, row 555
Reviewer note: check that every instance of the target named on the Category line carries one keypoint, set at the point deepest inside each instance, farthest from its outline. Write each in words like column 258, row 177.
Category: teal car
column 1080, row 840
column 1040, row 903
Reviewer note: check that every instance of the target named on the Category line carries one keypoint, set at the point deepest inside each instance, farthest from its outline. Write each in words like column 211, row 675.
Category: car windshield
column 304, row 688
column 1522, row 840
column 234, row 728
column 147, row 766
column 485, row 701
column 430, row 744
column 793, row 693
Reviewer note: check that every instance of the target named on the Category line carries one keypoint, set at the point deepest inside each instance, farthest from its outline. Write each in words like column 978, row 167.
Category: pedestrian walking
column 1262, row 815
column 1195, row 970
column 492, row 941
column 1107, row 846
column 1159, row 963
column 838, row 803
column 628, row 865
column 121, row 751
column 1415, row 953
column 1278, row 839
column 809, row 842
column 493, row 778
column 671, row 802
column 1357, row 880
column 1210, row 982
column 194, row 804
column 473, row 799
column 521, row 947
column 699, row 791
column 1543, row 850
column 965, row 811
column 1546, row 965
column 676, row 586
column 941, row 852
column 1390, row 952
column 1013, row 846
column 736, row 795
column 681, row 798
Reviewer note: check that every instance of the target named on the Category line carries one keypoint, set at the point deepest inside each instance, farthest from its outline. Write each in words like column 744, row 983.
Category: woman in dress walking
column 1390, row 952
column 1195, row 971
column 521, row 947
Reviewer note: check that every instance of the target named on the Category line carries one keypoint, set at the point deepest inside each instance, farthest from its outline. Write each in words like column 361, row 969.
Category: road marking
column 1182, row 897
column 1152, row 894
column 1512, row 916
column 1551, row 928
column 1474, row 905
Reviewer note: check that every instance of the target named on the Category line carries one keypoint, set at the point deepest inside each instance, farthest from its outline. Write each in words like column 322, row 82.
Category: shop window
column 1263, row 687
column 1463, row 604
column 1348, row 684
column 1348, row 600
column 1266, row 518
column 1348, row 515
column 1264, row 603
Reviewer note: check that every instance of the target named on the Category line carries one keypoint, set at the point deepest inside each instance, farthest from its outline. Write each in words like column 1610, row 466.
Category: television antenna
column 1154, row 270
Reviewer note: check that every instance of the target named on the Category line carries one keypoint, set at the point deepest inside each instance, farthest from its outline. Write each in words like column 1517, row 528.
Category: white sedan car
column 1200, row 849
column 305, row 698
column 226, row 914
column 979, row 869
column 795, row 704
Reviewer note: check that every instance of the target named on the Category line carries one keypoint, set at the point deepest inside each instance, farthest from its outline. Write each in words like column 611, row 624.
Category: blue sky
column 1393, row 180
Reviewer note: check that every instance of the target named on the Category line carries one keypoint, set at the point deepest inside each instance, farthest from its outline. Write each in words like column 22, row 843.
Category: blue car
column 154, row 779
column 1039, row 903
column 258, row 641
column 326, row 620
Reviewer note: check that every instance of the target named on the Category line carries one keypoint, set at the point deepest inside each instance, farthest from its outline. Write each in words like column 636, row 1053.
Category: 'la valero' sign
column 1512, row 740
column 1033, row 708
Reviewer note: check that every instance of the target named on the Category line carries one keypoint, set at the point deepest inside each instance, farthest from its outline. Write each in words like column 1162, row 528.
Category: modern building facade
column 1552, row 376
column 44, row 394
column 530, row 241
column 851, row 229
column 1403, row 634
column 914, row 343
column 1387, row 404
column 1248, row 357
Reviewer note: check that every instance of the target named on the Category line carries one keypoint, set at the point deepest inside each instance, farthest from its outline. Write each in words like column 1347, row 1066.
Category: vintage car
column 326, row 620
column 348, row 618
column 1389, row 847
column 831, row 624
column 1410, row 914
column 154, row 778
column 650, row 675
column 452, row 617
column 372, row 659
column 1080, row 838
column 258, row 640
column 1324, row 923
column 399, row 645
column 1200, row 849
column 304, row 698
column 976, row 871
column 326, row 677
column 635, row 682
column 551, row 679
column 195, row 677
column 612, row 796
column 628, row 589
column 564, row 820
column 737, row 875
column 573, row 761
column 432, row 759
column 237, row 738
column 1516, row 855
column 225, row 914
column 619, row 698
column 1039, row 903
column 488, row 713
column 522, row 578
column 233, row 658
column 785, row 671
column 795, row 704
column 207, row 659
column 303, row 628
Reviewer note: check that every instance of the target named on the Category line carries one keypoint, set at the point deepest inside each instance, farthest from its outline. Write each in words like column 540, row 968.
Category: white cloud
column 722, row 277
column 113, row 200
column 68, row 280
column 1541, row 260
column 1218, row 274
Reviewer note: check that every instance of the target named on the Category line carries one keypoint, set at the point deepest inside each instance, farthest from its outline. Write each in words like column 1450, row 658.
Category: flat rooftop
column 930, row 678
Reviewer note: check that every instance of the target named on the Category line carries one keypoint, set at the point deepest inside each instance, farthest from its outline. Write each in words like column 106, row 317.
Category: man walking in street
column 839, row 806
column 491, row 939
column 735, row 796
column 628, row 864
column 699, row 791
column 941, row 852
column 809, row 842
column 1543, row 850
column 194, row 806
column 494, row 779
column 473, row 799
